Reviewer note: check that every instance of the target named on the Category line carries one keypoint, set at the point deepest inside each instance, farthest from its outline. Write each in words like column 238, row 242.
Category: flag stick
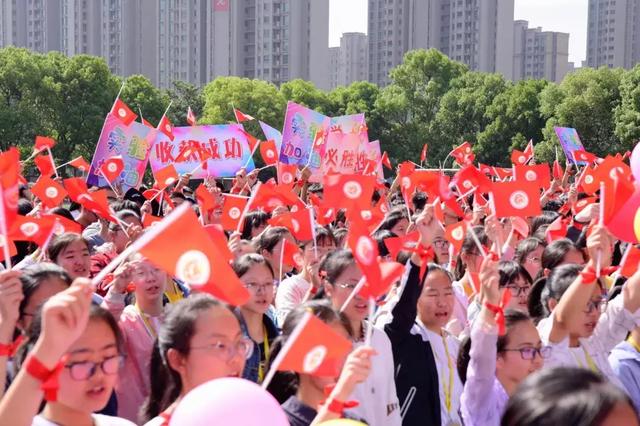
column 465, row 195
column 273, row 368
column 253, row 151
column 313, row 232
column 369, row 332
column 200, row 165
column 266, row 167
column 499, row 243
column 601, row 223
column 109, row 183
column 355, row 291
column 246, row 208
column 118, row 95
column 4, row 233
column 167, row 110
column 53, row 163
column 43, row 249
column 281, row 261
column 138, row 244
column 477, row 241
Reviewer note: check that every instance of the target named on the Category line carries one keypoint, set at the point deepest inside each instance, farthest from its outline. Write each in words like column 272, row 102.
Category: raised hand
column 10, row 297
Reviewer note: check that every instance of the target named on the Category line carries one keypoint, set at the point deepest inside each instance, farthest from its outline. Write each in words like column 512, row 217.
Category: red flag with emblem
column 184, row 250
column 166, row 177
column 298, row 223
column 518, row 157
column 37, row 230
column 9, row 183
column 44, row 165
column 397, row 244
column 556, row 229
column 533, row 173
column 582, row 203
column 516, row 199
column 348, row 191
column 80, row 164
column 463, row 154
column 62, row 224
column 291, row 255
column 166, row 127
column 112, row 167
column 191, row 117
column 313, row 348
column 123, row 113
column 558, row 173
column 588, row 181
column 581, row 155
column 242, row 117
column 50, row 192
column 287, row 174
column 205, row 199
column 455, row 234
column 269, row 152
column 232, row 209
column 469, row 177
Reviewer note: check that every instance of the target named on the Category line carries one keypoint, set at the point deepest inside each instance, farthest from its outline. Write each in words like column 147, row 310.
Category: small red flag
column 80, row 164
column 149, row 220
column 582, row 204
column 463, row 154
column 269, row 152
column 423, row 154
column 232, row 211
column 123, row 113
column 166, row 127
column 44, row 142
column 314, row 348
column 558, row 173
column 112, row 167
column 292, row 255
column 518, row 157
column 455, row 234
column 385, row 161
column 516, row 199
column 630, row 262
column 205, row 199
column 191, row 117
column 44, row 165
column 62, row 224
column 535, row 173
column 12, row 247
column 166, row 177
column 242, row 117
column 397, row 244
column 348, row 191
column 529, row 151
column 50, row 192
column 556, row 229
column 287, row 174
column 584, row 156
column 588, row 181
column 32, row 229
column 298, row 223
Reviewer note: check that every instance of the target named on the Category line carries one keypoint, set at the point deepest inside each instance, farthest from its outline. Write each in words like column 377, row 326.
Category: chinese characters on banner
column 300, row 126
column 570, row 142
column 224, row 147
column 131, row 142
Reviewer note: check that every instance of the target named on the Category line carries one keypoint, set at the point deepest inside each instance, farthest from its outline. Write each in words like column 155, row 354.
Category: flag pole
column 246, row 208
column 53, row 163
column 118, row 95
column 601, row 223
column 253, row 151
column 369, row 331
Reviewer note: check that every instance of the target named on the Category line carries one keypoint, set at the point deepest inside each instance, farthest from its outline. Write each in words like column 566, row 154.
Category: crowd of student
column 511, row 330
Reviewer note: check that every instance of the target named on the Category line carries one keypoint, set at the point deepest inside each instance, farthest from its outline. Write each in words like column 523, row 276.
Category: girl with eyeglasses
column 75, row 353
column 529, row 255
column 140, row 323
column 200, row 340
column 377, row 395
column 493, row 362
column 257, row 276
column 580, row 326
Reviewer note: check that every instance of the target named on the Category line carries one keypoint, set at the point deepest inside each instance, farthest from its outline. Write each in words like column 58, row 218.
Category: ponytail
column 165, row 386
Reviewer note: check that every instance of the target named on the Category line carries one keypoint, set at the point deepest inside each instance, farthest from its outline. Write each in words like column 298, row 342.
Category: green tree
column 184, row 95
column 141, row 95
column 307, row 94
column 627, row 114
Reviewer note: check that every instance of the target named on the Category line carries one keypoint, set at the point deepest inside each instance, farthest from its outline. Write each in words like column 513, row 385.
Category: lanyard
column 633, row 343
column 265, row 345
column 448, row 390
column 147, row 325
column 590, row 363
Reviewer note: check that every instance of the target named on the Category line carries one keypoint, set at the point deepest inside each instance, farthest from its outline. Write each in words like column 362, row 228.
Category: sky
column 569, row 16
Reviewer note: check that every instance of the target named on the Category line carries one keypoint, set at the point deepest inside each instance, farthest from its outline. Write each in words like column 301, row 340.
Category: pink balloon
column 635, row 162
column 229, row 401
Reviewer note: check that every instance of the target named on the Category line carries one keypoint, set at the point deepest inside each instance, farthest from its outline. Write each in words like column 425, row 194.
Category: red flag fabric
column 242, row 117
column 123, row 113
column 112, row 167
column 516, row 199
column 588, row 181
column 291, row 255
column 556, row 229
column 149, row 220
column 518, row 157
column 184, row 250
column 502, row 173
column 385, row 161
column 582, row 203
column 270, row 196
column 12, row 247
column 534, row 173
column 469, row 177
column 585, row 156
column 205, row 199
column 616, row 193
column 528, row 150
column 50, row 192
column 487, row 170
column 389, row 273
column 397, row 244
column 191, row 117
column 146, row 123
column 80, row 164
column 314, row 348
column 269, row 152
column 232, row 211
column 520, row 226
column 9, row 183
column 455, row 234
column 62, row 224
column 252, row 140
column 630, row 262
column 166, row 177
column 298, row 223
column 287, row 174
column 166, row 127
column 348, row 191
column 44, row 165
column 44, row 142
column 463, row 154
column 32, row 229
column 96, row 201
column 423, row 154
column 558, row 173
column 612, row 168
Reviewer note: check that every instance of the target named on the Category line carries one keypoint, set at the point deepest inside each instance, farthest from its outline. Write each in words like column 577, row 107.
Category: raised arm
column 10, row 298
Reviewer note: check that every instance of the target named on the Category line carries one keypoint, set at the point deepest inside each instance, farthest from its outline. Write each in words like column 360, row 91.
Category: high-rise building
column 353, row 58
column 34, row 24
column 478, row 33
column 539, row 54
column 334, row 63
column 613, row 33
column 81, row 27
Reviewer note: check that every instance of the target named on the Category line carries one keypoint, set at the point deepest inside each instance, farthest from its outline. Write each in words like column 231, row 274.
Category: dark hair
column 61, row 211
column 554, row 254
column 393, row 218
column 24, row 206
column 177, row 195
column 340, row 234
column 512, row 317
column 324, row 236
column 120, row 206
column 563, row 396
column 510, row 271
column 335, row 263
column 419, row 200
column 270, row 238
column 545, row 218
column 525, row 247
column 245, row 262
column 253, row 220
column 469, row 246
column 62, row 242
column 176, row 332
column 285, row 383
column 380, row 235
column 124, row 215
column 556, row 284
column 32, row 277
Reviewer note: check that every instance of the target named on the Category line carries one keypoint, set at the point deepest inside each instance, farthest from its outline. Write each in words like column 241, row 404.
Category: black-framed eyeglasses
column 226, row 351
column 519, row 291
column 529, row 353
column 441, row 243
column 598, row 305
column 347, row 286
column 86, row 369
column 255, row 287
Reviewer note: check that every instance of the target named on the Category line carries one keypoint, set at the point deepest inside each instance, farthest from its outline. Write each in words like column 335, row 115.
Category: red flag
column 558, row 173
column 463, row 154
column 184, row 250
column 588, row 181
column 96, row 201
column 455, row 234
column 520, row 226
column 314, row 348
column 582, row 203
column 397, row 244
column 232, row 211
column 529, row 151
column 123, row 113
column 469, row 177
column 612, row 168
column 487, row 170
column 581, row 155
column 287, row 174
column 269, row 152
column 518, row 157
column 80, row 164
column 502, row 173
column 62, row 224
column 516, row 199
column 146, row 123
column 50, row 192
column 291, row 255
column 166, row 127
column 423, row 154
column 12, row 247
column 32, row 229
column 149, row 220
column 9, row 183
column 630, row 262
column 205, row 199
column 191, row 117
column 166, row 177
column 242, row 117
column 270, row 196
column 385, row 161
column 389, row 273
column 112, row 167
column 348, row 191
column 556, row 229
column 299, row 223
column 535, row 173
column 252, row 140
column 44, row 142
column 616, row 193
column 44, row 165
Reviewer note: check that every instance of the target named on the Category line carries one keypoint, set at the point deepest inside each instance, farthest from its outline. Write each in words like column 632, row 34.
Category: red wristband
column 10, row 349
column 338, row 407
column 49, row 378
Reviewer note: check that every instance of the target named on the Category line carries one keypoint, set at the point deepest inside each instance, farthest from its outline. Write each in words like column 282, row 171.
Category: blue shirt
column 625, row 362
